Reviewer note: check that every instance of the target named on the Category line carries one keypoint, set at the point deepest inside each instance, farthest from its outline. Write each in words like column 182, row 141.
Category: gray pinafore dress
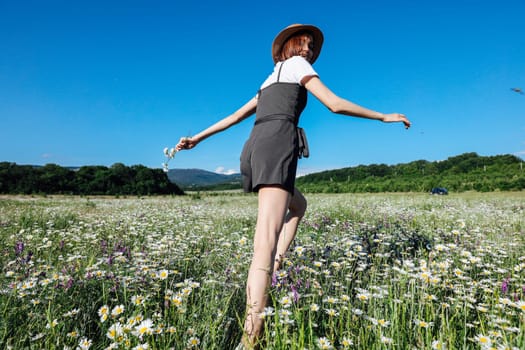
column 269, row 156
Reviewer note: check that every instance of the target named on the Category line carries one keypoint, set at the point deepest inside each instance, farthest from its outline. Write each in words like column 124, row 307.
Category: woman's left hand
column 186, row 143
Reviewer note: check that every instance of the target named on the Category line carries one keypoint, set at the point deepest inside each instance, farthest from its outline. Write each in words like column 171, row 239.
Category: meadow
column 381, row 271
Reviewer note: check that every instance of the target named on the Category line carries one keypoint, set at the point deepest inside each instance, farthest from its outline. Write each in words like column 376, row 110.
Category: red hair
column 294, row 45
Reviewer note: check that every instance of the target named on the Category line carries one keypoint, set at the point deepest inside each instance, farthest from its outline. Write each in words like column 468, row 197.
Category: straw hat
column 289, row 31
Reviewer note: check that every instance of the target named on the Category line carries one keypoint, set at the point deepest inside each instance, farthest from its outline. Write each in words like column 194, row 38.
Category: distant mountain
column 198, row 178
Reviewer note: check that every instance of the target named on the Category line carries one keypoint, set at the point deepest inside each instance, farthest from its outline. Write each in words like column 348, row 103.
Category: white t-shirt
column 294, row 70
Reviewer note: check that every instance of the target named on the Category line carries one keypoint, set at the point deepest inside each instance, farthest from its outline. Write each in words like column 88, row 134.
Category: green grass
column 401, row 271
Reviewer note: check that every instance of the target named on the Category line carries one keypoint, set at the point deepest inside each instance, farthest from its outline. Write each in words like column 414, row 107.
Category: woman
column 269, row 157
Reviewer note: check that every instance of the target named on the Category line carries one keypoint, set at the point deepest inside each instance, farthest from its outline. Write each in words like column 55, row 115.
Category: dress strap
column 279, row 73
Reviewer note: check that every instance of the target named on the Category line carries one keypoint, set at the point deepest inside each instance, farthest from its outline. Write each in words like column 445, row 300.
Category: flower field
column 382, row 271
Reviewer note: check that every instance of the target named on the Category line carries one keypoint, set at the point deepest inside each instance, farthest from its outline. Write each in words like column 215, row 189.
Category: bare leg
column 273, row 204
column 296, row 212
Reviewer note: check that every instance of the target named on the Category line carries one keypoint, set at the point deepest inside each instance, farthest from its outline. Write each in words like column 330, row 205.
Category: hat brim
column 289, row 31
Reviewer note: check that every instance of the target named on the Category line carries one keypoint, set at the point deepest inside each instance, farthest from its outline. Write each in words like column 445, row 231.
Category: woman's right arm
column 340, row 105
column 239, row 115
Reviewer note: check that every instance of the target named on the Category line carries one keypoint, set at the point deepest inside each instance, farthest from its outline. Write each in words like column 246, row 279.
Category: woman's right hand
column 186, row 143
column 396, row 117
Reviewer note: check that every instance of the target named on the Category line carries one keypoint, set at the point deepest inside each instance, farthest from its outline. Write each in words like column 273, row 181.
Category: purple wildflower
column 295, row 294
column 505, row 286
column 19, row 248
column 274, row 279
column 69, row 284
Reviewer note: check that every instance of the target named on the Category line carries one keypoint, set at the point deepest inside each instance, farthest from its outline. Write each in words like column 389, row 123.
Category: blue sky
column 101, row 82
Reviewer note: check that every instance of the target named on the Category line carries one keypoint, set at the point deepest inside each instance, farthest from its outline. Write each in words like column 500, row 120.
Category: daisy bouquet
column 170, row 154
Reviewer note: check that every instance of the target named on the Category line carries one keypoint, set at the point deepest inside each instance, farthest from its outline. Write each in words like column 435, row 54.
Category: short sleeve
column 299, row 68
column 293, row 70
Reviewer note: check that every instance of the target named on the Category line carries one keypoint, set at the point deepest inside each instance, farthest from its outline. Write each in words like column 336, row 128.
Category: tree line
column 118, row 179
column 465, row 172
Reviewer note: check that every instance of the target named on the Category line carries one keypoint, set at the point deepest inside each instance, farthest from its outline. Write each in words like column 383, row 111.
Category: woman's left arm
column 239, row 115
column 340, row 105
